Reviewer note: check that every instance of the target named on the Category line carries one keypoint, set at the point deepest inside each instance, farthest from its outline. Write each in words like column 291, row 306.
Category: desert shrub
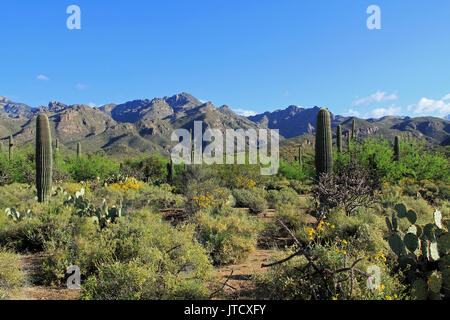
column 154, row 169
column 11, row 276
column 294, row 280
column 44, row 223
column 252, row 199
column 19, row 169
column 175, row 264
column 238, row 175
column 89, row 167
column 293, row 216
column 295, row 171
column 353, row 187
column 134, row 280
column 301, row 187
column 283, row 196
column 229, row 235
column 415, row 160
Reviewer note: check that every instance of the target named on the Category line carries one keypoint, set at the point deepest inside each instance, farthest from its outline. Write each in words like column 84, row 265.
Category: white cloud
column 92, row 105
column 80, row 86
column 245, row 113
column 381, row 112
column 352, row 113
column 429, row 106
column 42, row 77
column 377, row 97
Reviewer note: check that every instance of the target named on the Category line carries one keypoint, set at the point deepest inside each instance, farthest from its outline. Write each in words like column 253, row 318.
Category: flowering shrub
column 217, row 198
column 128, row 184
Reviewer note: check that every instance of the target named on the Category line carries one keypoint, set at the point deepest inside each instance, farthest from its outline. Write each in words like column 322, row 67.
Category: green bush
column 230, row 235
column 11, row 276
column 283, row 196
column 89, row 167
column 252, row 199
column 19, row 169
column 164, row 262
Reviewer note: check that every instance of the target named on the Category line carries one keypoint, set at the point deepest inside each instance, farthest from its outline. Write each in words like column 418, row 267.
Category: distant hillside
column 144, row 126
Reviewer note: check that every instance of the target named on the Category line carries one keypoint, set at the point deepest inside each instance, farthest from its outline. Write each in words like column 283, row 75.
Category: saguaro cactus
column 300, row 156
column 56, row 144
column 10, row 147
column 170, row 171
column 353, row 128
column 397, row 148
column 78, row 149
column 44, row 159
column 339, row 138
column 324, row 151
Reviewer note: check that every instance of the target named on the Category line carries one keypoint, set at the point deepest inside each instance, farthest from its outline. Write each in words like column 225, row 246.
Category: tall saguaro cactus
column 44, row 159
column 339, row 138
column 56, row 144
column 78, row 149
column 300, row 156
column 170, row 170
column 324, row 150
column 10, row 147
column 397, row 148
column 353, row 129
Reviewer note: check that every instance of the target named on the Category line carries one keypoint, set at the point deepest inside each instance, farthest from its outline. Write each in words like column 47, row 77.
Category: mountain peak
column 4, row 99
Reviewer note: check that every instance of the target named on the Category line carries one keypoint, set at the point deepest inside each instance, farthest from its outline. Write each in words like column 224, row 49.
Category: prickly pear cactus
column 422, row 253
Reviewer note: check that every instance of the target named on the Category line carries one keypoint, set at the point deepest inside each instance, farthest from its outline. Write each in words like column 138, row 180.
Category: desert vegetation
column 145, row 228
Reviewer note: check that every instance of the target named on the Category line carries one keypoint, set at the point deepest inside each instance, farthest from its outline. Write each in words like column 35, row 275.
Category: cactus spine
column 397, row 148
column 324, row 151
column 78, row 149
column 10, row 147
column 44, row 159
column 339, row 138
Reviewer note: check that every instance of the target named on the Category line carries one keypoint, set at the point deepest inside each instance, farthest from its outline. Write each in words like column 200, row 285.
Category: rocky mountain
column 292, row 121
column 14, row 110
column 143, row 126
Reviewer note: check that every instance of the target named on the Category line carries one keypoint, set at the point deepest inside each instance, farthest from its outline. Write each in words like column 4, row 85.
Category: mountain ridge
column 145, row 125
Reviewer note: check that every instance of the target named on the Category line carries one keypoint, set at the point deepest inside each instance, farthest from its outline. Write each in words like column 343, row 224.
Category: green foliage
column 11, row 276
column 252, row 199
column 229, row 235
column 415, row 160
column 278, row 197
column 89, row 167
column 19, row 169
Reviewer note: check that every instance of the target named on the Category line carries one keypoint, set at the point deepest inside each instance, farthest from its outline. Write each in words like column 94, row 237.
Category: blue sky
column 253, row 55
